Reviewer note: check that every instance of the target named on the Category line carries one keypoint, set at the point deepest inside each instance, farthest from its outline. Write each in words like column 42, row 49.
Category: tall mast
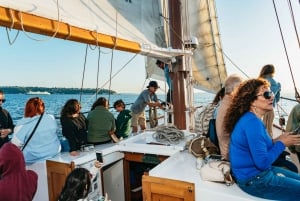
column 179, row 70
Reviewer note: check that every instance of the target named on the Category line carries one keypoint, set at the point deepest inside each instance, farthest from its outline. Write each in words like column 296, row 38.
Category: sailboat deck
column 182, row 166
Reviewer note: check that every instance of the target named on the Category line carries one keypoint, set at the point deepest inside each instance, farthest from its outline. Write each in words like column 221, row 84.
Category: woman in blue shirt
column 252, row 151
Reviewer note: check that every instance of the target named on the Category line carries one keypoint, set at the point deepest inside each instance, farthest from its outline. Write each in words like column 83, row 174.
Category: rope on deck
column 168, row 134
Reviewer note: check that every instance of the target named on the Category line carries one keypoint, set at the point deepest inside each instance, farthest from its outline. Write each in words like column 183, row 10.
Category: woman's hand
column 4, row 132
column 74, row 153
column 288, row 139
column 98, row 164
column 114, row 138
column 106, row 197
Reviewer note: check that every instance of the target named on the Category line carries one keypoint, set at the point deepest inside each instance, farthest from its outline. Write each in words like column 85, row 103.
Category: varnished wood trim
column 31, row 23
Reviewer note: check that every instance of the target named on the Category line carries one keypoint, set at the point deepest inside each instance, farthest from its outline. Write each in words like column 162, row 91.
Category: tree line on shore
column 52, row 90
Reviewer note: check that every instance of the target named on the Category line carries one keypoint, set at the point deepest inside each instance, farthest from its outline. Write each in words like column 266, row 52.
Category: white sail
column 208, row 67
column 139, row 26
column 133, row 21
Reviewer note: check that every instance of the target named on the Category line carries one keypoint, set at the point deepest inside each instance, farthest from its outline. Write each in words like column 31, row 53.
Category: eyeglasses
column 266, row 94
column 2, row 100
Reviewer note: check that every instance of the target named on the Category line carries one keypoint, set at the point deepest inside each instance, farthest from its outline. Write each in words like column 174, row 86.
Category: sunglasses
column 266, row 94
column 2, row 100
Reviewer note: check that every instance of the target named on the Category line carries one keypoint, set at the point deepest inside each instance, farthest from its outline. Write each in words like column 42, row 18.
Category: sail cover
column 140, row 21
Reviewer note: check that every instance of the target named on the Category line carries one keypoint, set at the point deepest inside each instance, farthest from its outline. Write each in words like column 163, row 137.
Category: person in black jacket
column 6, row 122
column 74, row 125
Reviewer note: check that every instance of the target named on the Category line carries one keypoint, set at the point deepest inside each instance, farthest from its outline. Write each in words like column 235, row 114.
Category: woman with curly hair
column 252, row 151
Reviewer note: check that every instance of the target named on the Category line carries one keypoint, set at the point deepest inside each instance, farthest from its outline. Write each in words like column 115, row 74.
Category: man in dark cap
column 147, row 97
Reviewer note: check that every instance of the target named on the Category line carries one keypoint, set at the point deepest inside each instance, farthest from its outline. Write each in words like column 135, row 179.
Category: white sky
column 249, row 33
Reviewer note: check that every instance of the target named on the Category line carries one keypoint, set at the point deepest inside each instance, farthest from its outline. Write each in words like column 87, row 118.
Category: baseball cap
column 153, row 84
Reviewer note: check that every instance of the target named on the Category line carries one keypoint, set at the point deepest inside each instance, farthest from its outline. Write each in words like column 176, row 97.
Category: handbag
column 202, row 147
column 30, row 136
column 217, row 171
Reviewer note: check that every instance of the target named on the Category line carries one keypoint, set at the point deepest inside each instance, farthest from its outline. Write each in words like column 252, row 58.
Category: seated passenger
column 123, row 122
column 252, row 151
column 293, row 123
column 78, row 184
column 6, row 122
column 101, row 128
column 44, row 143
column 74, row 125
column 231, row 84
column 16, row 183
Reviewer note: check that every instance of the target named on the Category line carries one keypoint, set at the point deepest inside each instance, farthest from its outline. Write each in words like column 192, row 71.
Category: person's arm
column 10, row 123
column 5, row 132
column 95, row 169
column 15, row 140
column 113, row 136
column 154, row 104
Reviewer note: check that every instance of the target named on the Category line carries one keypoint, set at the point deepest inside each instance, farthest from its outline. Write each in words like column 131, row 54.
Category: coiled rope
column 168, row 134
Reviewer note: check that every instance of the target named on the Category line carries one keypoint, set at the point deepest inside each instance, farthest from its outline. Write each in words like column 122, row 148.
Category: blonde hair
column 232, row 82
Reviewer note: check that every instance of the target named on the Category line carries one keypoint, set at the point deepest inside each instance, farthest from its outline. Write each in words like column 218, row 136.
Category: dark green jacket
column 100, row 122
column 123, row 124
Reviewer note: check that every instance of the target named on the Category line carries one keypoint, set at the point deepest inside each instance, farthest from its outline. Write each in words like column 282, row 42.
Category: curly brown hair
column 242, row 100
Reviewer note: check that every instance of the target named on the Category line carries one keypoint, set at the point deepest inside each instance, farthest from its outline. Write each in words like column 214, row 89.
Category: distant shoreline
column 55, row 90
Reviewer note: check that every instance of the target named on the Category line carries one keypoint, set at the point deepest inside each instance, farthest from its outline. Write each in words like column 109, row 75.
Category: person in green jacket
column 101, row 123
column 123, row 121
column 293, row 124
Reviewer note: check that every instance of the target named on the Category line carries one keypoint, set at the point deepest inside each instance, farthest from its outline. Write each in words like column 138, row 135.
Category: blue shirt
column 44, row 143
column 251, row 149
column 167, row 76
column 275, row 88
column 143, row 99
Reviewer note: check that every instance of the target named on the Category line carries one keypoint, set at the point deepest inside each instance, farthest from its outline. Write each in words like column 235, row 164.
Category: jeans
column 274, row 184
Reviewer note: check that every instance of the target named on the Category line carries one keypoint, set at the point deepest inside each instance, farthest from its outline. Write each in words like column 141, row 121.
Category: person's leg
column 169, row 99
column 142, row 121
column 274, row 184
column 282, row 162
column 298, row 156
column 134, row 122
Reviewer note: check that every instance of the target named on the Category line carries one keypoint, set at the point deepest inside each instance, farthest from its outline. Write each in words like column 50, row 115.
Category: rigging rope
column 8, row 37
column 285, row 49
column 81, row 89
column 168, row 134
column 12, row 25
column 98, row 68
column 46, row 39
column 294, row 23
column 112, row 56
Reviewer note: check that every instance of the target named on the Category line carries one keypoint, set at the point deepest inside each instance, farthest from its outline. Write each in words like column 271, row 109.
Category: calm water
column 15, row 102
